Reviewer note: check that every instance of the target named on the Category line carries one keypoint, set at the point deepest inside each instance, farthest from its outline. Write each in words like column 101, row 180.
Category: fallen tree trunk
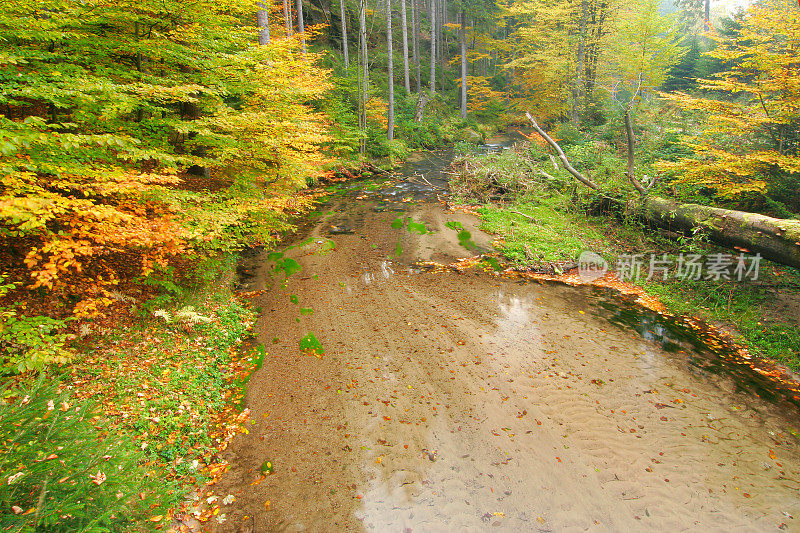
column 776, row 239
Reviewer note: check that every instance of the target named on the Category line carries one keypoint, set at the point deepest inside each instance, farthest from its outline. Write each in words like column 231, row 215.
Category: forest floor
column 400, row 394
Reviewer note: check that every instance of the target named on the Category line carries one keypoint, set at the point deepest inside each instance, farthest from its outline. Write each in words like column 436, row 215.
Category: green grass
column 166, row 382
column 63, row 469
column 552, row 236
column 155, row 398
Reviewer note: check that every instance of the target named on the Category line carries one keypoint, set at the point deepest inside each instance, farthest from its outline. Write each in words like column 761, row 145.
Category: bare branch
column 562, row 156
column 630, row 171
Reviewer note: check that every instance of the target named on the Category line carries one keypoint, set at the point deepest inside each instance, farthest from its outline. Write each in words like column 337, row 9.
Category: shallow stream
column 463, row 401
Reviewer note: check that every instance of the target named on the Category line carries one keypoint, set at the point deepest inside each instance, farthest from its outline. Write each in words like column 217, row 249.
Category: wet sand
column 465, row 402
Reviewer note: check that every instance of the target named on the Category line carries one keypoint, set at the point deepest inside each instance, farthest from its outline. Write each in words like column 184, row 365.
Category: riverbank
column 546, row 226
column 159, row 391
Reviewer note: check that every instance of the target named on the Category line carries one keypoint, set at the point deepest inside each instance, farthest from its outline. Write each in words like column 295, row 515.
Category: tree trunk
column 463, row 39
column 288, row 16
column 345, row 48
column 415, row 43
column 774, row 238
column 577, row 83
column 441, row 46
column 419, row 112
column 301, row 25
column 433, row 47
column 406, row 73
column 390, row 68
column 631, row 140
column 363, row 92
column 262, row 17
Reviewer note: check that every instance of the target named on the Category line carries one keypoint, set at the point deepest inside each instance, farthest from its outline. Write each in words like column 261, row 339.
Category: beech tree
column 364, row 71
column 404, row 24
column 390, row 68
column 92, row 151
column 748, row 135
column 287, row 15
column 262, row 16
column 345, row 47
column 415, row 43
column 301, row 26
column 463, row 44
column 433, row 46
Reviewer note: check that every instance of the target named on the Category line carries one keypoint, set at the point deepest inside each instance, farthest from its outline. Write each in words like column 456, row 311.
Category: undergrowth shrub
column 29, row 342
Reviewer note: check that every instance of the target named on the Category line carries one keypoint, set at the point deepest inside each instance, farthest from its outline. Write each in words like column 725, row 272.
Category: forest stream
column 464, row 401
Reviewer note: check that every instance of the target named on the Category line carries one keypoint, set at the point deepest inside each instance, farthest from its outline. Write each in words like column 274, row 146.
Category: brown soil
column 464, row 402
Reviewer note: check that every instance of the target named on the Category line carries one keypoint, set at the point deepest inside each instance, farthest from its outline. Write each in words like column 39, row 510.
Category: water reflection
column 386, row 272
column 699, row 350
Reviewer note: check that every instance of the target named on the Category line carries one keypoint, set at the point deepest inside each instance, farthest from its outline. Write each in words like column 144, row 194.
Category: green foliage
column 745, row 140
column 172, row 401
column 311, row 344
column 30, row 342
column 61, row 471
column 106, row 109
column 568, row 134
column 645, row 46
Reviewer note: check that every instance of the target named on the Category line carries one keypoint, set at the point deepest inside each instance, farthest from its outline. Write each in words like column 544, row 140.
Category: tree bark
column 562, row 156
column 577, row 82
column 390, row 68
column 288, row 16
column 301, row 25
column 262, row 17
column 463, row 40
column 415, row 43
column 419, row 112
column 404, row 25
column 345, row 48
column 433, row 47
column 630, row 171
column 364, row 87
column 774, row 238
column 442, row 42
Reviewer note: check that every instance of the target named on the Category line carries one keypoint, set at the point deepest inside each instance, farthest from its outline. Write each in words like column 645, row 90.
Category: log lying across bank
column 775, row 239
